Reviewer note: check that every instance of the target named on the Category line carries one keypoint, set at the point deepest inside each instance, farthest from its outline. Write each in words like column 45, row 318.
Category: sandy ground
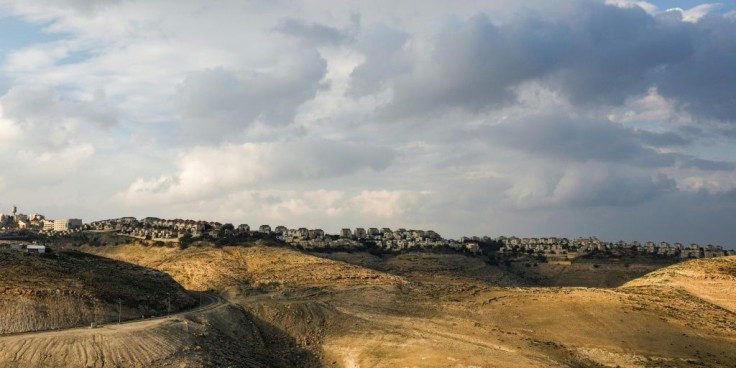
column 413, row 310
column 139, row 344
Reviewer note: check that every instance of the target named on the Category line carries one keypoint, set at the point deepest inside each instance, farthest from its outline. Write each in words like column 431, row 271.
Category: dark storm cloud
column 666, row 139
column 313, row 33
column 595, row 55
column 706, row 165
column 477, row 63
column 705, row 82
column 612, row 189
column 382, row 48
column 217, row 104
column 579, row 140
column 43, row 106
column 585, row 140
column 614, row 53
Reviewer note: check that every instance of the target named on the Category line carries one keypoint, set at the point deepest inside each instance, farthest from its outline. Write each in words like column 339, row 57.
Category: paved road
column 207, row 302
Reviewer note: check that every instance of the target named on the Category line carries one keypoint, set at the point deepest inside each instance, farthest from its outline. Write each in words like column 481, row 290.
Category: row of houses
column 156, row 228
column 20, row 221
column 384, row 239
column 552, row 248
column 568, row 249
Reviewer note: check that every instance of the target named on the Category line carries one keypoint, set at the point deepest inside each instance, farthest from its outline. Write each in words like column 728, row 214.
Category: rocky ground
column 291, row 308
column 71, row 288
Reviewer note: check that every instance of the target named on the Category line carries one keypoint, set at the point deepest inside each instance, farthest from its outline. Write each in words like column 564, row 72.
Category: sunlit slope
column 712, row 279
column 260, row 267
column 448, row 310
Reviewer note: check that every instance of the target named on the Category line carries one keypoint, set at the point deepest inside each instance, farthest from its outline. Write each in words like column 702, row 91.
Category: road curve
column 207, row 300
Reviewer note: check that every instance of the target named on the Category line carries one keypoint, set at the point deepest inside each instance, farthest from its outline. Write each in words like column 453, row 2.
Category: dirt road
column 131, row 343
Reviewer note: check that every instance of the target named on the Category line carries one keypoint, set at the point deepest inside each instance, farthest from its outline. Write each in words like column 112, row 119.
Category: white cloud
column 63, row 161
column 462, row 116
column 694, row 14
column 389, row 203
column 648, row 7
column 205, row 172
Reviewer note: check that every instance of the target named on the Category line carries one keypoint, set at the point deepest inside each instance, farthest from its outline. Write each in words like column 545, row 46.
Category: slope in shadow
column 242, row 339
column 601, row 272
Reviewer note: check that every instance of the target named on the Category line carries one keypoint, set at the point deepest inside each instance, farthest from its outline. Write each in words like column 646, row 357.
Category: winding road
column 208, row 302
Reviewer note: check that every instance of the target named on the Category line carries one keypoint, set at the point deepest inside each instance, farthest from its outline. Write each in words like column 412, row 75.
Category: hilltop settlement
column 377, row 240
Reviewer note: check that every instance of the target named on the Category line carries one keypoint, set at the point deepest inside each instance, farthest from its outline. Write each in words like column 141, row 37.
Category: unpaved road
column 207, row 302
column 136, row 343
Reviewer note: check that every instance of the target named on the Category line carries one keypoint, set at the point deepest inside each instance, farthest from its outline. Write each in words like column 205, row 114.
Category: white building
column 36, row 248
column 67, row 224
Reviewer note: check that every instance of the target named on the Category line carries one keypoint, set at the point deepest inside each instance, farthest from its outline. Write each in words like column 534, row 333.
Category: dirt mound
column 225, row 337
column 66, row 289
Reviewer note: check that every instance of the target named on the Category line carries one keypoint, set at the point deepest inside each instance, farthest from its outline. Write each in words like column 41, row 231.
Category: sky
column 570, row 118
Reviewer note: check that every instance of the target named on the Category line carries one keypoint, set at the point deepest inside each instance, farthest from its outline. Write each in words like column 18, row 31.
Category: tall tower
column 14, row 210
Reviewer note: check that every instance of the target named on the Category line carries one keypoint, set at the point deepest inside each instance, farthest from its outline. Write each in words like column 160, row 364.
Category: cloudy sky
column 568, row 118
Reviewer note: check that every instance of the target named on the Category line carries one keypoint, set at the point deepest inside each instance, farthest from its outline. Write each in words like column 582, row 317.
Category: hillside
column 257, row 267
column 711, row 279
column 69, row 288
column 427, row 309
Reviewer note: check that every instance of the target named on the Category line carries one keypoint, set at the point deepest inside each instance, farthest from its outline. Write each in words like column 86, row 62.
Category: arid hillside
column 710, row 279
column 450, row 310
column 65, row 289
column 585, row 273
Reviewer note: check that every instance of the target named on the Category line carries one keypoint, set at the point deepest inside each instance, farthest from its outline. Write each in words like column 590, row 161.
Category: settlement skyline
column 573, row 118
column 154, row 228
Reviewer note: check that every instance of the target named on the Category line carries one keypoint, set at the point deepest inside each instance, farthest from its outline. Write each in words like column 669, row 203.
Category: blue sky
column 724, row 6
column 17, row 33
column 573, row 118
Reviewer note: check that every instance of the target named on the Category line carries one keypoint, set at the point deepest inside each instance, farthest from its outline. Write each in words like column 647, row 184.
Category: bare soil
column 291, row 308
column 70, row 288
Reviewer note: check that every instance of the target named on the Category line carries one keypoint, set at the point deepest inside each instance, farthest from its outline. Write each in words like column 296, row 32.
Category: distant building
column 128, row 220
column 316, row 234
column 48, row 225
column 67, row 224
column 36, row 249
column 265, row 229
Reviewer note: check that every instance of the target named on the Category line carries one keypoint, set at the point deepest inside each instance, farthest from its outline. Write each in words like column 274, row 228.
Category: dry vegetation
column 289, row 308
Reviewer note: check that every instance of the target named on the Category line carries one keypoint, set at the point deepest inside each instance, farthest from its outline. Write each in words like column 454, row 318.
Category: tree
column 226, row 230
column 185, row 241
